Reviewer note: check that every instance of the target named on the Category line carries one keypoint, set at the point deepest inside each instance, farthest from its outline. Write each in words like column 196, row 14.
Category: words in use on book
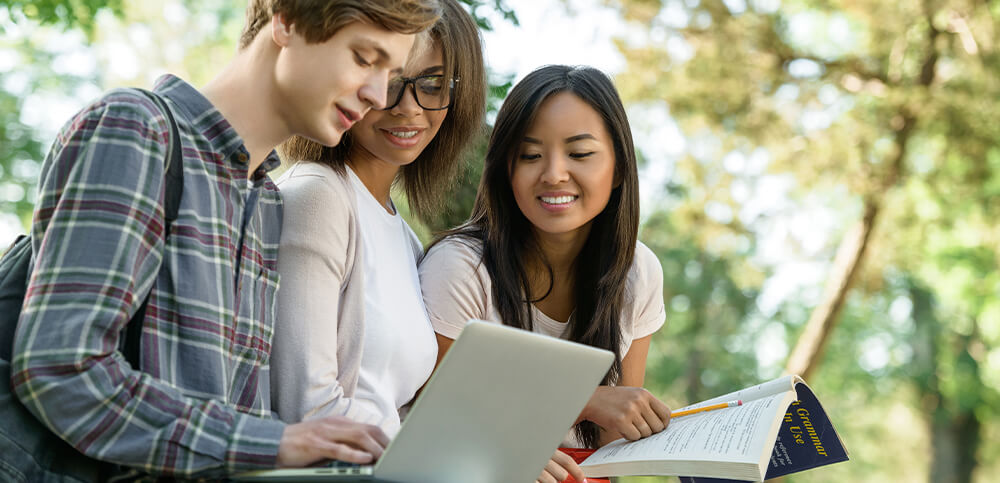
column 799, row 434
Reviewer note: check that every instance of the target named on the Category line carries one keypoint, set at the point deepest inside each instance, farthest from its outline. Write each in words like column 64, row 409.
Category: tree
column 889, row 106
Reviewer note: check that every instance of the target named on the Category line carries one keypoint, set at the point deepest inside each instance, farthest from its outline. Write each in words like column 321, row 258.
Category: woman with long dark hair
column 551, row 245
column 340, row 347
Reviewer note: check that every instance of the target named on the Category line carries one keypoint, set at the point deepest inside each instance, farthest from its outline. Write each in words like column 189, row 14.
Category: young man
column 198, row 405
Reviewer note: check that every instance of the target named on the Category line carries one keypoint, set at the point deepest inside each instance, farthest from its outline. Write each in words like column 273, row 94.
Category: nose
column 407, row 105
column 555, row 170
column 374, row 90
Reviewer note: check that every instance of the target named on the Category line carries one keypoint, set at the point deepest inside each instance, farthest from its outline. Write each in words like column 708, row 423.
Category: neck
column 250, row 76
column 560, row 250
column 376, row 174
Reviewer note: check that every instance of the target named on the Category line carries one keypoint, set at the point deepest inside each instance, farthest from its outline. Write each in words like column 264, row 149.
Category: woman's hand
column 626, row 412
column 331, row 437
column 559, row 467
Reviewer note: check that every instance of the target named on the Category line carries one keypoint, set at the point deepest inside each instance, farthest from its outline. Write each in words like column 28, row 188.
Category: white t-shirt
column 400, row 348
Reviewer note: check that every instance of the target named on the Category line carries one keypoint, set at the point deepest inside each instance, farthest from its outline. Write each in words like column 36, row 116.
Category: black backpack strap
column 174, row 179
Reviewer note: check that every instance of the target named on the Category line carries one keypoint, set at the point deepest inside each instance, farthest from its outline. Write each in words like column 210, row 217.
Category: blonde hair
column 318, row 20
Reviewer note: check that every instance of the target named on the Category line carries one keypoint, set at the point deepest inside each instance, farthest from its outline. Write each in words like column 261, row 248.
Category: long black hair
column 602, row 267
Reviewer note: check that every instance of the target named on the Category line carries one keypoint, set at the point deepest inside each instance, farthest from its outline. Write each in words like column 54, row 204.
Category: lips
column 402, row 136
column 557, row 202
column 347, row 117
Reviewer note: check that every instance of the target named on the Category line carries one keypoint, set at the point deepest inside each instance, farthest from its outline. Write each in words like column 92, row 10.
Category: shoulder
column 455, row 285
column 124, row 109
column 645, row 293
column 645, row 275
column 316, row 189
column 123, row 117
column 411, row 237
column 645, row 260
column 318, row 209
column 454, row 253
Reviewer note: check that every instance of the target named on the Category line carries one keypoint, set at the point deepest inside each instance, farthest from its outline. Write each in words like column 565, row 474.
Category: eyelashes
column 532, row 157
column 361, row 60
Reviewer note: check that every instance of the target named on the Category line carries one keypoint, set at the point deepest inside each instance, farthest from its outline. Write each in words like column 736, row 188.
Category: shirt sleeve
column 97, row 237
column 452, row 287
column 649, row 313
column 316, row 262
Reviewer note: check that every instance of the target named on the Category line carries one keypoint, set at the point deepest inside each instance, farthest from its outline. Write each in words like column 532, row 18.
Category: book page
column 732, row 435
column 762, row 390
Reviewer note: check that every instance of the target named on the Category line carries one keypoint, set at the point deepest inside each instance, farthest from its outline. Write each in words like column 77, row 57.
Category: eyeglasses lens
column 432, row 91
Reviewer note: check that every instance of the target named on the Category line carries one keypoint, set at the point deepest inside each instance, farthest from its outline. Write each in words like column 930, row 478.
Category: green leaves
column 65, row 14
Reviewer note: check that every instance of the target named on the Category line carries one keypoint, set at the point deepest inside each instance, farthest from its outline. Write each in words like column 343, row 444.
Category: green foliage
column 66, row 14
column 476, row 7
column 891, row 103
column 19, row 153
column 700, row 352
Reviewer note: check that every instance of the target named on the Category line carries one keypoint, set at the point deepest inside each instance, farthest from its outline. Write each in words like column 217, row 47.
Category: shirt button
column 242, row 157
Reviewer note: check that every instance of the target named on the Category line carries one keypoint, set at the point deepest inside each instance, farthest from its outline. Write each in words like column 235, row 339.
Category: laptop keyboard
column 344, row 468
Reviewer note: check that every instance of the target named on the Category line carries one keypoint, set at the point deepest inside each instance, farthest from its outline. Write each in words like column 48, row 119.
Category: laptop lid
column 495, row 409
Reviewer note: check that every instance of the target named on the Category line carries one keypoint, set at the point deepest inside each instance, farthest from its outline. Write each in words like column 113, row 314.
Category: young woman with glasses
column 352, row 336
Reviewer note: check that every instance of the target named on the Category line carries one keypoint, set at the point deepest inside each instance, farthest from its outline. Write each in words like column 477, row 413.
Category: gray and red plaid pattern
column 200, row 406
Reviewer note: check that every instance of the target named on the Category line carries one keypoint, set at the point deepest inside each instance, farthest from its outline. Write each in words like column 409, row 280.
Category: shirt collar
column 209, row 122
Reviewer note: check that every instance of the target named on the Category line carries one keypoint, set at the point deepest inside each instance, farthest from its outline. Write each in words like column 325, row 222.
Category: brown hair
column 507, row 239
column 426, row 180
column 318, row 20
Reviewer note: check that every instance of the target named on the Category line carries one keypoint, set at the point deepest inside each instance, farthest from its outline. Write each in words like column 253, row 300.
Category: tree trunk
column 955, row 432
column 809, row 348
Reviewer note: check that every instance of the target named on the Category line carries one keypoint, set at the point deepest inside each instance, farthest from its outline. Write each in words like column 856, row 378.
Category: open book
column 781, row 428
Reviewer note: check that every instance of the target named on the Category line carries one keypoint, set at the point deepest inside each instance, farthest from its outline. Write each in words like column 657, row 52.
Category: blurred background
column 818, row 181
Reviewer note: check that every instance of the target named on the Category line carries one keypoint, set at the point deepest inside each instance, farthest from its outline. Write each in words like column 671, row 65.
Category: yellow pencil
column 730, row 404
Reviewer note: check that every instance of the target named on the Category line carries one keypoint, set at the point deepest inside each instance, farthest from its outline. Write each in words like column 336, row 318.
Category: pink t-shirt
column 457, row 287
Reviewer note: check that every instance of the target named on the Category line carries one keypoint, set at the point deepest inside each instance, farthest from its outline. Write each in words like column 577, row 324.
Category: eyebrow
column 431, row 70
column 580, row 137
column 383, row 56
column 571, row 139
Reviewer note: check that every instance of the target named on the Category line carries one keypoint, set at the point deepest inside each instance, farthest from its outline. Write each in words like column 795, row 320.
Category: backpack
column 29, row 451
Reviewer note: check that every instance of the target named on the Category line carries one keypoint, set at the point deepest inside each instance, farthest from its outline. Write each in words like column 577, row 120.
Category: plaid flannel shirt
column 200, row 406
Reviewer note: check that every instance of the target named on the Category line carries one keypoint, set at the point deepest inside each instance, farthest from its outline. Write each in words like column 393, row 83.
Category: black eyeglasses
column 432, row 92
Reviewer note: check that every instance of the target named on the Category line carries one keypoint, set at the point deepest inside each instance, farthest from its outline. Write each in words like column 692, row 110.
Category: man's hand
column 559, row 467
column 626, row 412
column 331, row 437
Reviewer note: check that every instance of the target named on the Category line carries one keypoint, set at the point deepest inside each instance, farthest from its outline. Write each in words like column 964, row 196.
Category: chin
column 330, row 139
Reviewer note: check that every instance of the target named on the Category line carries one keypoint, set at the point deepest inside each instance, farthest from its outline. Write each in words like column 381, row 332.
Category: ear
column 281, row 30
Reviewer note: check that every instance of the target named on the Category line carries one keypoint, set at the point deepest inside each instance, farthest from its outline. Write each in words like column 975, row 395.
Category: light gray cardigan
column 319, row 332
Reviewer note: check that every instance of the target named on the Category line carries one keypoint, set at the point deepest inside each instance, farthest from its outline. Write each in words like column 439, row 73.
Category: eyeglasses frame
column 411, row 82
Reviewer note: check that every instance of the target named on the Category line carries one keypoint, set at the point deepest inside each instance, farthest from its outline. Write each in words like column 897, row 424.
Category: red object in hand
column 578, row 455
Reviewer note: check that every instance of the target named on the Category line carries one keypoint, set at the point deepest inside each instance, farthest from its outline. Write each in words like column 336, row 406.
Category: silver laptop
column 494, row 411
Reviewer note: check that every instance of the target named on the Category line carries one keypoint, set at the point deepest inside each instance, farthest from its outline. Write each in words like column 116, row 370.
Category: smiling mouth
column 558, row 200
column 403, row 134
